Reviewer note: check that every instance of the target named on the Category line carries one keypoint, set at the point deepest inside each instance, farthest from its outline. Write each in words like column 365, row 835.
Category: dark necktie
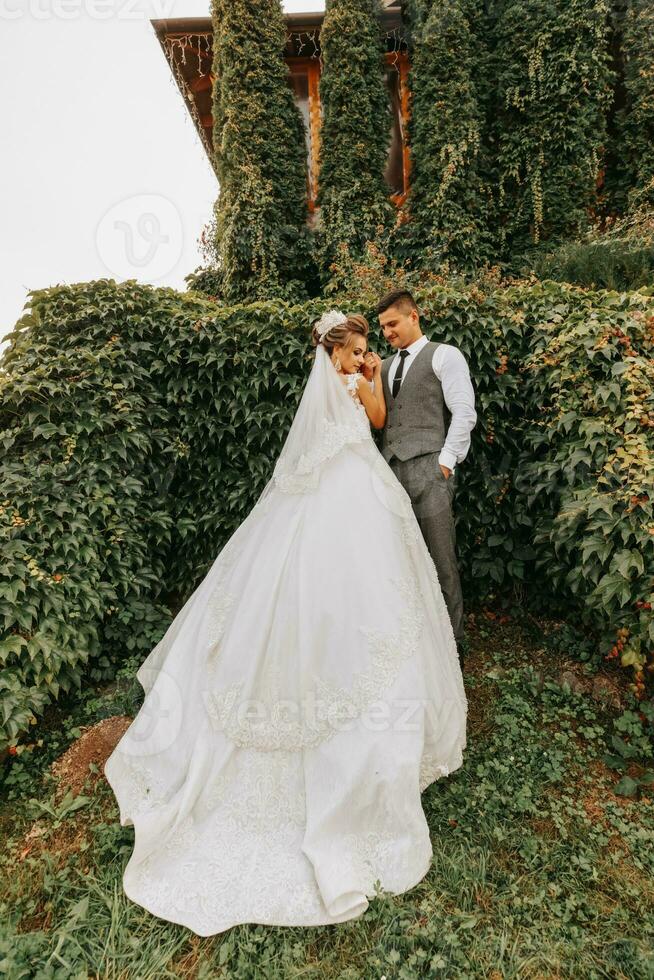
column 397, row 380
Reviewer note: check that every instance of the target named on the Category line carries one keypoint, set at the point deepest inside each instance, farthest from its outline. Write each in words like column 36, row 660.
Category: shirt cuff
column 447, row 458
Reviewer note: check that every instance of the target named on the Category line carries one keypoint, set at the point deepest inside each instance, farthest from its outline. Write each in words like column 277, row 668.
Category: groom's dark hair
column 398, row 297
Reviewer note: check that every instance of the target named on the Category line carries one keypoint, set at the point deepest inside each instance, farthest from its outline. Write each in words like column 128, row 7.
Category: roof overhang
column 187, row 44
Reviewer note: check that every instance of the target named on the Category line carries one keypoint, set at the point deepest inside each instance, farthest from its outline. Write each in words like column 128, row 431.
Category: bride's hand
column 371, row 365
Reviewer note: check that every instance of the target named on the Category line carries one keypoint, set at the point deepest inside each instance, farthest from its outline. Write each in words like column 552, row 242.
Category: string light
column 176, row 49
column 301, row 43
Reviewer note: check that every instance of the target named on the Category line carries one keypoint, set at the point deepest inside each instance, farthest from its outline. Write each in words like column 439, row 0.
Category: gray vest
column 418, row 419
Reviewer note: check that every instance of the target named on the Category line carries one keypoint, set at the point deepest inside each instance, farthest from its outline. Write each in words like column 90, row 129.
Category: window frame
column 311, row 68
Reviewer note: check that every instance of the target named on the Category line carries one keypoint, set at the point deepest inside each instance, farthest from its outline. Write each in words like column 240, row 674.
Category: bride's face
column 352, row 354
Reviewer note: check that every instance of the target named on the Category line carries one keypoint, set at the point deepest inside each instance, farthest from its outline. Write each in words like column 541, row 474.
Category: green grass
column 540, row 869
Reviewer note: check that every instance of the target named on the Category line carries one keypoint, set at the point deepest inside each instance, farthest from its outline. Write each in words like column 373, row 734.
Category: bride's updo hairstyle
column 342, row 334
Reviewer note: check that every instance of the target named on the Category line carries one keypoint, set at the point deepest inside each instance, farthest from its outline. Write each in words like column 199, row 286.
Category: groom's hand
column 446, row 471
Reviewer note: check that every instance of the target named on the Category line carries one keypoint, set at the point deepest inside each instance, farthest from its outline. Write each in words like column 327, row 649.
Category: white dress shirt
column 451, row 369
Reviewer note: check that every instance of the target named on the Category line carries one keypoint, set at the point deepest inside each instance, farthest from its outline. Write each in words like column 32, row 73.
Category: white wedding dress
column 305, row 695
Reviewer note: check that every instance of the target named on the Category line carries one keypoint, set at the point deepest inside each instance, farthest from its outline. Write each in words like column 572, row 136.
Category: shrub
column 606, row 264
column 620, row 256
column 85, row 434
column 588, row 469
column 105, row 391
column 140, row 426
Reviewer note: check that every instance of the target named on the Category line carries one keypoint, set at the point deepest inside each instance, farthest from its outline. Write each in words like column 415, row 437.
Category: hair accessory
column 330, row 319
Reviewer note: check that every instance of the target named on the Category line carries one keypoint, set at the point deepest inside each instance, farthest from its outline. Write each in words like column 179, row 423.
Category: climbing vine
column 353, row 195
column 638, row 115
column 551, row 64
column 261, row 236
column 449, row 203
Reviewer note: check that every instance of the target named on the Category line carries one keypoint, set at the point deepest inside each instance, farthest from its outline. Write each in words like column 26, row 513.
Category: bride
column 307, row 692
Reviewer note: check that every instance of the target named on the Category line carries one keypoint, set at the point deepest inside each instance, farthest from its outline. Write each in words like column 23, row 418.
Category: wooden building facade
column 187, row 44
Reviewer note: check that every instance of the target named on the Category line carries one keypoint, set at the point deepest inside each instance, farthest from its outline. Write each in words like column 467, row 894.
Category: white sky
column 103, row 174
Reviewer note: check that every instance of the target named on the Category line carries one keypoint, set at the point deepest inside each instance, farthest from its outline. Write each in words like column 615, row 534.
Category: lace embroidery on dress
column 369, row 855
column 335, row 437
column 183, row 835
column 220, row 605
column 265, row 800
column 258, row 803
column 333, row 703
column 352, row 387
column 143, row 790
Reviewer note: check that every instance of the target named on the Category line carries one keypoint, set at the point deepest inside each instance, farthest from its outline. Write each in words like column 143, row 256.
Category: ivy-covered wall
column 508, row 125
column 528, row 122
column 553, row 91
column 139, row 426
column 353, row 196
column 636, row 120
column 261, row 246
column 449, row 202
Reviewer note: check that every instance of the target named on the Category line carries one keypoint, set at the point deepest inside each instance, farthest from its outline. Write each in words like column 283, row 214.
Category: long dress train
column 299, row 703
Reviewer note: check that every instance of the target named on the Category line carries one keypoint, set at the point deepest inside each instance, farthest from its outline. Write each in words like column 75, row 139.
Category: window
column 397, row 167
column 305, row 79
column 305, row 76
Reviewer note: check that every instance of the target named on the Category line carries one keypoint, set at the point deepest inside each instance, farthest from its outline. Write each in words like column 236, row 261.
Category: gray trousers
column 431, row 495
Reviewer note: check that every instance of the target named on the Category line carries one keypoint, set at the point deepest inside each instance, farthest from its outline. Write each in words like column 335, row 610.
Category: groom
column 430, row 406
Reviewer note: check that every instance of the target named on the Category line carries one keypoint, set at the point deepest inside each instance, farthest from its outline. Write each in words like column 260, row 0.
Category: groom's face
column 400, row 327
